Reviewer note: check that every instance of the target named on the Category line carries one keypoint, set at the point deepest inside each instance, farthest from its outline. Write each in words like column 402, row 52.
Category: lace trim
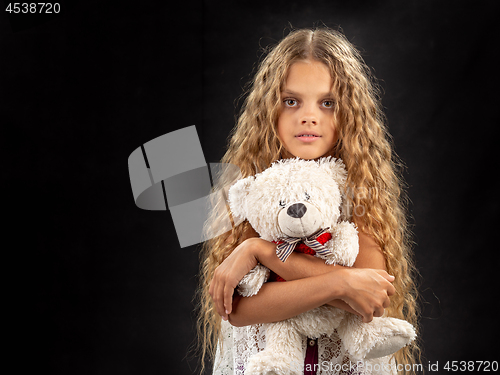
column 239, row 343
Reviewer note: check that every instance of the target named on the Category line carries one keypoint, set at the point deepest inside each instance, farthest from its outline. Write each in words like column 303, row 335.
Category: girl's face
column 306, row 124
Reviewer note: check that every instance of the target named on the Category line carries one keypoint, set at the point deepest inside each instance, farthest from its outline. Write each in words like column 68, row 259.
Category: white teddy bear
column 295, row 201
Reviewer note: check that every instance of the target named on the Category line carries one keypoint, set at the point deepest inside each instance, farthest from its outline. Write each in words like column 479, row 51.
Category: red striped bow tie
column 287, row 245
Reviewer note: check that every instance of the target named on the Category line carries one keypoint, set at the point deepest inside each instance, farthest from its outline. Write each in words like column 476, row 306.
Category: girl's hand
column 367, row 291
column 230, row 272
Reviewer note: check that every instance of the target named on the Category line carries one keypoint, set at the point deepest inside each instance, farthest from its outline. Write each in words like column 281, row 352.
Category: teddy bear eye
column 307, row 196
column 282, row 203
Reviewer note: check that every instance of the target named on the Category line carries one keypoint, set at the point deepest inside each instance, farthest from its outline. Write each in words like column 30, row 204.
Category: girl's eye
column 290, row 102
column 282, row 203
column 328, row 103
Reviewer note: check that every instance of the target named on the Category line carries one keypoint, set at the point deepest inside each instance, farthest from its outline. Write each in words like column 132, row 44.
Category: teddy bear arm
column 344, row 245
column 253, row 281
column 343, row 248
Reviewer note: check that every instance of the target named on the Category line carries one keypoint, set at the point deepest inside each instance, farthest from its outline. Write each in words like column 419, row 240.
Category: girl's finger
column 391, row 290
column 220, row 301
column 387, row 303
column 368, row 318
column 216, row 293
column 228, row 299
column 378, row 312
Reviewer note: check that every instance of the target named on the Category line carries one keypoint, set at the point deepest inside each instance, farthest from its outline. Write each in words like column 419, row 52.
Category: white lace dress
column 239, row 343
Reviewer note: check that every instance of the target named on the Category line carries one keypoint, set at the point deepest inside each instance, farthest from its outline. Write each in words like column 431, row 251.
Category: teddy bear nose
column 296, row 210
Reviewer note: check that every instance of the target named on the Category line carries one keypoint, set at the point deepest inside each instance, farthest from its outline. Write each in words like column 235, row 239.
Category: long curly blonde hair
column 374, row 184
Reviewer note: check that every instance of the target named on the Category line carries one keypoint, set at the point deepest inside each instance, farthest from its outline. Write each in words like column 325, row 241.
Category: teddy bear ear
column 237, row 195
column 336, row 169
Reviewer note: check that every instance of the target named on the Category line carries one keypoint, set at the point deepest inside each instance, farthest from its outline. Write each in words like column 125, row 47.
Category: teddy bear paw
column 401, row 336
column 389, row 346
column 380, row 337
column 253, row 280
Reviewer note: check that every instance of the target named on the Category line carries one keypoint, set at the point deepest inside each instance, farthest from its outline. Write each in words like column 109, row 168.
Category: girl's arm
column 365, row 291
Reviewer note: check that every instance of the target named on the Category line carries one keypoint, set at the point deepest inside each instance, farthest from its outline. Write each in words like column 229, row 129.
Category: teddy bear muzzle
column 299, row 219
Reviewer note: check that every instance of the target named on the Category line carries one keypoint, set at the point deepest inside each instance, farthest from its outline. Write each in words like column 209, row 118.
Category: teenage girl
column 311, row 97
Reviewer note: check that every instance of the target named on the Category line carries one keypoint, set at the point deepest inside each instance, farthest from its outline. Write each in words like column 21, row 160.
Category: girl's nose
column 309, row 116
column 309, row 120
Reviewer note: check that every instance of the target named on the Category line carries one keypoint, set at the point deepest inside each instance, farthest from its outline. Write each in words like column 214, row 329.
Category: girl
column 311, row 97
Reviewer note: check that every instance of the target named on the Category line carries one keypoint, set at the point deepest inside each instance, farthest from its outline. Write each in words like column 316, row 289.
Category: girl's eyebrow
column 293, row 93
column 289, row 92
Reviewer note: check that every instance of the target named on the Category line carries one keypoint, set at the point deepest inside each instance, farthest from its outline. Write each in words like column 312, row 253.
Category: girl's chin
column 305, row 151
column 303, row 156
column 307, row 155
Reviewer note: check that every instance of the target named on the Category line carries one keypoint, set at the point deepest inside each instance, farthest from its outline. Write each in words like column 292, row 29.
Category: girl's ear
column 237, row 196
column 336, row 169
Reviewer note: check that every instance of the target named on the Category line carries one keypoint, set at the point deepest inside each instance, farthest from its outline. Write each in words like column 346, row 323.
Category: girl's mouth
column 307, row 137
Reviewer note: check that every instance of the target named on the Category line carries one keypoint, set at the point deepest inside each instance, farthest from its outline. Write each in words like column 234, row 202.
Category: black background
column 97, row 286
